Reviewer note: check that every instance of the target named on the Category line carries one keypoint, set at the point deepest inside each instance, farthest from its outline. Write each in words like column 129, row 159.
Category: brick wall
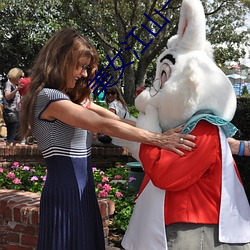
column 19, row 217
column 102, row 155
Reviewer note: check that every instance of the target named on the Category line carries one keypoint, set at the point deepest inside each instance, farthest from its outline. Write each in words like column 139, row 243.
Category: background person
column 11, row 104
column 118, row 106
column 25, row 82
column 116, row 102
column 69, row 212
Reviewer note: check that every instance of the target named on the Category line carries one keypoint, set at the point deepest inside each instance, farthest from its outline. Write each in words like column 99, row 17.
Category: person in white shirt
column 117, row 104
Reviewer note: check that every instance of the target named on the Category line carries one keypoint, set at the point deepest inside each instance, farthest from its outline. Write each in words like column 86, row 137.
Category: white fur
column 195, row 83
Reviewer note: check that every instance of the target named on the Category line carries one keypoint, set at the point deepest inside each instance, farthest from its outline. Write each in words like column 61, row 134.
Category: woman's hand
column 173, row 141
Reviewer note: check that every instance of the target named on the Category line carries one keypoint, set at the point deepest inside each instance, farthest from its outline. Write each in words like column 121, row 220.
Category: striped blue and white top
column 55, row 137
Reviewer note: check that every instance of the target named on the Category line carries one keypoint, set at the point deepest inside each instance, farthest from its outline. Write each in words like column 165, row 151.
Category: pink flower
column 34, row 178
column 1, row 170
column 131, row 179
column 11, row 175
column 15, row 165
column 94, row 170
column 107, row 187
column 118, row 194
column 99, row 186
column 102, row 193
column 43, row 178
column 102, row 173
column 117, row 177
column 105, row 179
column 26, row 168
column 32, row 170
column 17, row 181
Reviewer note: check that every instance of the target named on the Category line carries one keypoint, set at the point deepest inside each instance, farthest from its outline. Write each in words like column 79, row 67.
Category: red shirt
column 26, row 84
column 192, row 182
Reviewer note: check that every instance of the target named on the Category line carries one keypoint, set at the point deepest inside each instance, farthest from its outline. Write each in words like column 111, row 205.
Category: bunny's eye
column 165, row 74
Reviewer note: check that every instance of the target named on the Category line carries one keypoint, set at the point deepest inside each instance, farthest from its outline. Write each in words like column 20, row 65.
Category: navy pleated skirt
column 69, row 213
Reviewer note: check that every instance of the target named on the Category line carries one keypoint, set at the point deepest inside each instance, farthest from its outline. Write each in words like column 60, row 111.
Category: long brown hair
column 54, row 68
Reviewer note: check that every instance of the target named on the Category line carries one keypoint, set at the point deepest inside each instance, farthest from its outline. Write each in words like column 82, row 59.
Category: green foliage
column 133, row 111
column 24, row 178
column 246, row 3
column 223, row 29
column 242, row 117
column 113, row 184
column 242, row 121
column 27, row 24
column 110, row 184
column 111, row 21
column 244, row 90
column 25, row 27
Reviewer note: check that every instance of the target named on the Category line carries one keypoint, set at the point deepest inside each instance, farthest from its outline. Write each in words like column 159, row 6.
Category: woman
column 116, row 102
column 69, row 213
column 118, row 106
column 11, row 104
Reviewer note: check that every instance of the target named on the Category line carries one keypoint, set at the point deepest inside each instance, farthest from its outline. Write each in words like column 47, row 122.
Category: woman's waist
column 58, row 150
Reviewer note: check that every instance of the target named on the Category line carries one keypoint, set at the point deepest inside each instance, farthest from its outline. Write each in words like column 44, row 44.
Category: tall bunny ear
column 192, row 26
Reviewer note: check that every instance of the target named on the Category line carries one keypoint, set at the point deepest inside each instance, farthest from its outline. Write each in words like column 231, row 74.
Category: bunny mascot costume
column 196, row 201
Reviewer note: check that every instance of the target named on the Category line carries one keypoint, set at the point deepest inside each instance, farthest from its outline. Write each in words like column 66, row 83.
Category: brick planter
column 19, row 218
column 102, row 155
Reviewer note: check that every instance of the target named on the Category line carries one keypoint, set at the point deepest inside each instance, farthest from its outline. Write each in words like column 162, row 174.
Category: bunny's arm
column 171, row 172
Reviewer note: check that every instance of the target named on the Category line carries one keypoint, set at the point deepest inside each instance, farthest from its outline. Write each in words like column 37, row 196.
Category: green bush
column 133, row 111
column 244, row 90
column 24, row 178
column 111, row 183
column 242, row 121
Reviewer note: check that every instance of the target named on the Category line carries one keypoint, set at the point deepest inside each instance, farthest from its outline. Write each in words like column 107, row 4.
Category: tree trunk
column 129, row 84
column 141, row 73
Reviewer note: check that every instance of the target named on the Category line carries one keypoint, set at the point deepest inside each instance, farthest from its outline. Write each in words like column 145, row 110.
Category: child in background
column 25, row 81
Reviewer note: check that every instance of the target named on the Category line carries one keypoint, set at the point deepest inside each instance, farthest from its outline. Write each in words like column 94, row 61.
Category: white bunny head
column 187, row 79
